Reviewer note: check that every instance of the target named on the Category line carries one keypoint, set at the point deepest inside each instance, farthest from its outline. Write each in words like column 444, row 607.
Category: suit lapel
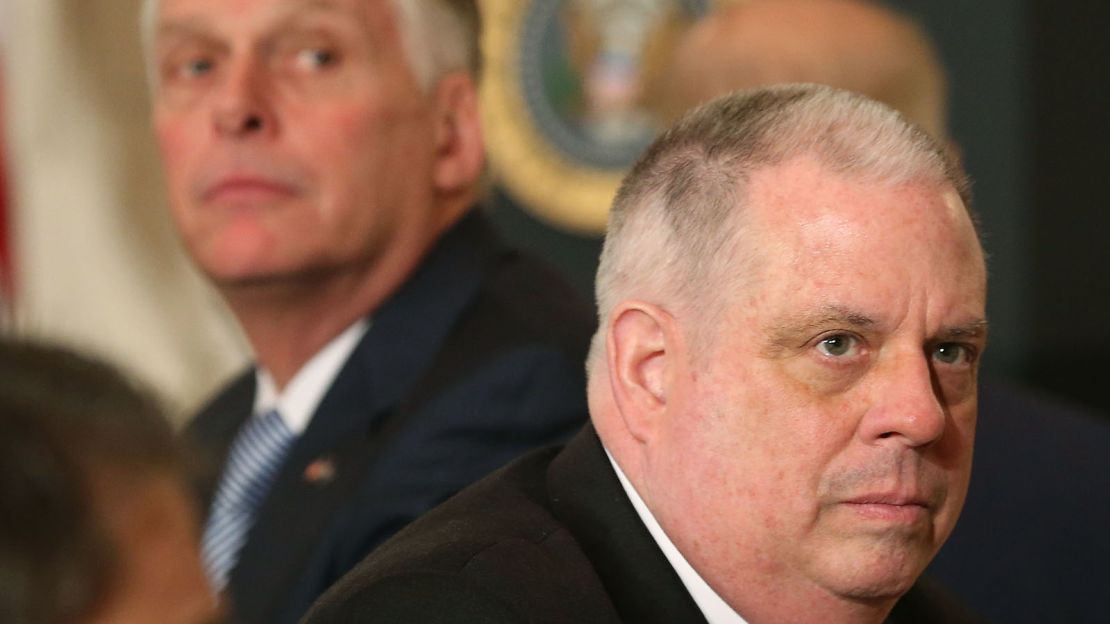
column 588, row 498
column 355, row 418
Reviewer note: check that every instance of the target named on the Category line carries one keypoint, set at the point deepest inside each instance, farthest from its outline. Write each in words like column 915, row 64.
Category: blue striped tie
column 253, row 462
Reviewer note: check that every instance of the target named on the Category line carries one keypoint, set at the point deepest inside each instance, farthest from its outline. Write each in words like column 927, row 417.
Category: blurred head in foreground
column 857, row 45
column 95, row 521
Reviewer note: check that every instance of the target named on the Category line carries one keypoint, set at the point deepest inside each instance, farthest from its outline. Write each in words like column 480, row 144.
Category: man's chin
column 877, row 588
column 260, row 278
column 238, row 261
column 244, row 282
column 877, row 572
column 233, row 274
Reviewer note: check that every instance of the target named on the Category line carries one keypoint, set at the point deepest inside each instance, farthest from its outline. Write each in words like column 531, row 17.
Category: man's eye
column 197, row 66
column 952, row 353
column 838, row 346
column 314, row 58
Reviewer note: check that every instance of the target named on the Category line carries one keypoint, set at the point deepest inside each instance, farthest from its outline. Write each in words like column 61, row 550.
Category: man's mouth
column 245, row 188
column 890, row 507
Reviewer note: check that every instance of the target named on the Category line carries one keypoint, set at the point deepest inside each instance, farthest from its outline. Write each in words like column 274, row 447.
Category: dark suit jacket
column 1033, row 540
column 476, row 359
column 549, row 539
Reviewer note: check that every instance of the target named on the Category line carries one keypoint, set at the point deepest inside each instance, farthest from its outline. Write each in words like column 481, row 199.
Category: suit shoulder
column 508, row 505
column 496, row 541
column 430, row 598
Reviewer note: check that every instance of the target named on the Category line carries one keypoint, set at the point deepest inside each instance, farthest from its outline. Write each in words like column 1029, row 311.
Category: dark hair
column 64, row 420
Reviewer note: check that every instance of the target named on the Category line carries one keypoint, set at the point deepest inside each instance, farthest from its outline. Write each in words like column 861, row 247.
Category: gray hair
column 439, row 36
column 673, row 224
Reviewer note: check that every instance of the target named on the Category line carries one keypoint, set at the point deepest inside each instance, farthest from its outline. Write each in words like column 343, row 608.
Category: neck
column 288, row 319
column 288, row 323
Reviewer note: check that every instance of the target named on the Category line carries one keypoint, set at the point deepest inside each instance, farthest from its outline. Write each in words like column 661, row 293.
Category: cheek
column 340, row 132
column 792, row 438
column 347, row 149
column 177, row 144
column 796, row 405
column 766, row 439
column 357, row 125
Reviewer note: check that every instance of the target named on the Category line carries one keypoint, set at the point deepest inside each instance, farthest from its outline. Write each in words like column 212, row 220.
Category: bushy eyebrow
column 826, row 315
column 971, row 329
column 788, row 333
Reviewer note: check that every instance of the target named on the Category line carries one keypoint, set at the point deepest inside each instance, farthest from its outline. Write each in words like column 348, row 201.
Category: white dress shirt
column 712, row 606
column 302, row 395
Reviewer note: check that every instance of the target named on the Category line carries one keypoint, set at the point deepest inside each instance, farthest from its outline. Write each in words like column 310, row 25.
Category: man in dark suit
column 1032, row 542
column 323, row 161
column 783, row 388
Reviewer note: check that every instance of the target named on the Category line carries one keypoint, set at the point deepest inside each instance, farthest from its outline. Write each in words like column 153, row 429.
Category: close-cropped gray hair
column 440, row 36
column 672, row 231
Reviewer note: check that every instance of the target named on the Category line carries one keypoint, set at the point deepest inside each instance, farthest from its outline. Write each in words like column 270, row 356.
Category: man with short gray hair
column 323, row 160
column 782, row 394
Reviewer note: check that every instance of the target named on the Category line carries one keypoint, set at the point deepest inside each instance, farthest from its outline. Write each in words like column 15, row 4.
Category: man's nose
column 906, row 408
column 242, row 105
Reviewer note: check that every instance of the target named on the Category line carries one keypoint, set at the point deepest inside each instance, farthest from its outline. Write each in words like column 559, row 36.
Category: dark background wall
column 1028, row 107
column 1070, row 229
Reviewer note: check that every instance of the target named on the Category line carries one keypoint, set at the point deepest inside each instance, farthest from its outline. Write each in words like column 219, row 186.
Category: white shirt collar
column 306, row 389
column 712, row 606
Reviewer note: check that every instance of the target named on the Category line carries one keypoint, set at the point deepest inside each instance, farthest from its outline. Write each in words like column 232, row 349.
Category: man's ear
column 643, row 348
column 460, row 153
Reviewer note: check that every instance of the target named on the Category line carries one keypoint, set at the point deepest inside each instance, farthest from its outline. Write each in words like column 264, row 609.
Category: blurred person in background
column 97, row 523
column 323, row 162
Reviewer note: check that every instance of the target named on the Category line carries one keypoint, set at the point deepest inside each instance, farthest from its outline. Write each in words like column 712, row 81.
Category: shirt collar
column 712, row 606
column 300, row 398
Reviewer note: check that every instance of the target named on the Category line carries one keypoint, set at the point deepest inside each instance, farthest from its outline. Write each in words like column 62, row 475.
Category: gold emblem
column 568, row 97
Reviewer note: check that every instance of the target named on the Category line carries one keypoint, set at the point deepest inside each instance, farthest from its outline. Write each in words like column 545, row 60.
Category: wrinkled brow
column 194, row 25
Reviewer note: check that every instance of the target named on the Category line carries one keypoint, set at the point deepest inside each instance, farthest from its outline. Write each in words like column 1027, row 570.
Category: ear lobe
column 641, row 352
column 460, row 154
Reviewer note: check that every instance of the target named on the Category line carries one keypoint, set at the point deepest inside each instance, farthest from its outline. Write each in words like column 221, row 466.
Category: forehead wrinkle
column 192, row 28
column 336, row 15
column 278, row 16
column 291, row 11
